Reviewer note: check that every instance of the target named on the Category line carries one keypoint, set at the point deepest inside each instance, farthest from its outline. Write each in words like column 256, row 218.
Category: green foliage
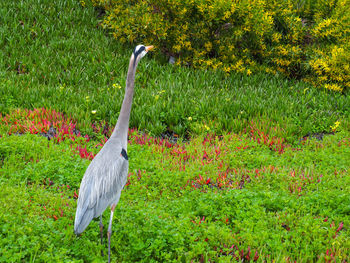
column 292, row 205
column 48, row 162
column 291, row 37
column 29, row 233
column 78, row 77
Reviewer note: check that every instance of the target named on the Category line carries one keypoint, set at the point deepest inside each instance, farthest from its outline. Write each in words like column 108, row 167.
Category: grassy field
column 247, row 180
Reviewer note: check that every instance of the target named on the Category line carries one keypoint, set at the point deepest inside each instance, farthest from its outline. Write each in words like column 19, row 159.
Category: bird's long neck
column 121, row 128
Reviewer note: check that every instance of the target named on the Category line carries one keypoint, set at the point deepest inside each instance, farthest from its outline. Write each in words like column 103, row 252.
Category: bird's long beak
column 148, row 48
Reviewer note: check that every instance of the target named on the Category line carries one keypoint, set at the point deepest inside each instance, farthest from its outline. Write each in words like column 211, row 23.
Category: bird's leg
column 101, row 232
column 109, row 233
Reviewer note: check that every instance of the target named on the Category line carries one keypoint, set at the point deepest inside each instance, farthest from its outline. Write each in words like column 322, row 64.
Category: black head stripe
column 124, row 154
column 138, row 52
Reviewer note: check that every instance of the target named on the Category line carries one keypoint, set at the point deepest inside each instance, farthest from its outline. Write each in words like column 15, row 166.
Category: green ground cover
column 247, row 186
column 57, row 58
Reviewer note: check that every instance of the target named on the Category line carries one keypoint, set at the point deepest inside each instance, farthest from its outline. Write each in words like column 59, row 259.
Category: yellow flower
column 177, row 48
column 249, row 72
column 117, row 86
column 208, row 46
column 283, row 51
column 246, row 28
column 227, row 69
column 335, row 126
column 334, row 87
column 276, row 37
column 227, row 14
column 189, row 118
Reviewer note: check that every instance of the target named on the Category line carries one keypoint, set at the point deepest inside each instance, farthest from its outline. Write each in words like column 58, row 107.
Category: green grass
column 207, row 199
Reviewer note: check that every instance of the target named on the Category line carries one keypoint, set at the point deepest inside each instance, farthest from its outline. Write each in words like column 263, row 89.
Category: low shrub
column 306, row 40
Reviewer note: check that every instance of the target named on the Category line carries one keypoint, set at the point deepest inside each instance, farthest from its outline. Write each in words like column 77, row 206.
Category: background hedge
column 306, row 40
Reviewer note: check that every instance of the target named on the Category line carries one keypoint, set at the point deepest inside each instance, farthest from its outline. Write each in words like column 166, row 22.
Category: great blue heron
column 107, row 174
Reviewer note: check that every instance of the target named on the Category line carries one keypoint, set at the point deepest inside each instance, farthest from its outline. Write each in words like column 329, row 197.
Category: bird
column 107, row 173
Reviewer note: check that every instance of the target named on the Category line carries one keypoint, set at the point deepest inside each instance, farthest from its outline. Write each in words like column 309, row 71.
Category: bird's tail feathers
column 82, row 221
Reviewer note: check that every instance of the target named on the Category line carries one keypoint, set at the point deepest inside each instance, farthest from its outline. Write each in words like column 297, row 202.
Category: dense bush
column 302, row 39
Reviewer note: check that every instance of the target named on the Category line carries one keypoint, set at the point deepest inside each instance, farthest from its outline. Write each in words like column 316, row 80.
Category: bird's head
column 140, row 51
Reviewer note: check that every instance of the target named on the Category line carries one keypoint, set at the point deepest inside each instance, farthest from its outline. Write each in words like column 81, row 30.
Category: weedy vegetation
column 222, row 167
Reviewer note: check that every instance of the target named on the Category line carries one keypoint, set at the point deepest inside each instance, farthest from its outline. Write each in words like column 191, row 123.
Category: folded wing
column 102, row 184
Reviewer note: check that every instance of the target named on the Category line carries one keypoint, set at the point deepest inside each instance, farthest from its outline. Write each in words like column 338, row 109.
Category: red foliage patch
column 57, row 127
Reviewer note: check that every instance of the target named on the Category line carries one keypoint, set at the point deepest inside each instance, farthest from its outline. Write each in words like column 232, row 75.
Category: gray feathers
column 107, row 174
column 102, row 184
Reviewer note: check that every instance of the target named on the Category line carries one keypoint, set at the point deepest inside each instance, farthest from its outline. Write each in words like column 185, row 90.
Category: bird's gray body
column 102, row 184
column 107, row 174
